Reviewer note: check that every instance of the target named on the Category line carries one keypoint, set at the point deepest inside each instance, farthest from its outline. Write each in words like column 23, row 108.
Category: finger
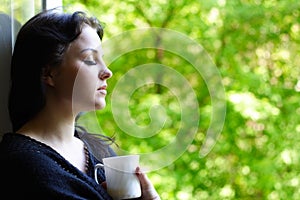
column 138, row 170
column 148, row 190
column 145, row 182
column 104, row 185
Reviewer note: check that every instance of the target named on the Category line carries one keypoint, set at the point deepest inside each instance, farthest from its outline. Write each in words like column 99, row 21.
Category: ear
column 47, row 76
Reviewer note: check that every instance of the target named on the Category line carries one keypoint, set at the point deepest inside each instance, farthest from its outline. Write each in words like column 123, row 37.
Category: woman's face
column 80, row 81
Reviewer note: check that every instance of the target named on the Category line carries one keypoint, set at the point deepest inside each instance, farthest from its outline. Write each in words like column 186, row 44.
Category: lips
column 102, row 89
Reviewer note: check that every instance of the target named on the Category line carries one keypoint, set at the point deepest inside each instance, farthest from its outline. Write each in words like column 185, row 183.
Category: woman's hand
column 148, row 190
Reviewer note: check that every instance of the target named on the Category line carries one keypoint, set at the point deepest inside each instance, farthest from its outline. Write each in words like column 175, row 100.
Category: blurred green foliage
column 255, row 44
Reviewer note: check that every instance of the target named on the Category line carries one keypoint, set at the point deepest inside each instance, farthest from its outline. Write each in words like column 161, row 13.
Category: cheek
column 84, row 96
column 69, row 82
column 85, row 83
column 65, row 80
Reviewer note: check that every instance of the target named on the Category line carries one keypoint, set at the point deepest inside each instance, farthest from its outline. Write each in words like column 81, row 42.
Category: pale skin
column 77, row 85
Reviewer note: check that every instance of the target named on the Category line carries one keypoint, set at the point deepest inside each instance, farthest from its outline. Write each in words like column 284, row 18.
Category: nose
column 105, row 74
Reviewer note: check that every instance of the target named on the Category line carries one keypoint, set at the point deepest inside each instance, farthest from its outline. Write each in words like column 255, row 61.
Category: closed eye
column 90, row 62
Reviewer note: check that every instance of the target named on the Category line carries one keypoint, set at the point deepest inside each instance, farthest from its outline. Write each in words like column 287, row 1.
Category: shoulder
column 36, row 170
column 14, row 144
column 25, row 163
column 21, row 153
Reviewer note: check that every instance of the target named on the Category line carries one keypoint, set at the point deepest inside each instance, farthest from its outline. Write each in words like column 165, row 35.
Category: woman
column 57, row 72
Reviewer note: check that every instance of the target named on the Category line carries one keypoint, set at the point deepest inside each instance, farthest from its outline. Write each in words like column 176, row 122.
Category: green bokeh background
column 255, row 45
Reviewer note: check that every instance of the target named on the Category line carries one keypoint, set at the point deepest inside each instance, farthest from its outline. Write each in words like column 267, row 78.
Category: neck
column 51, row 125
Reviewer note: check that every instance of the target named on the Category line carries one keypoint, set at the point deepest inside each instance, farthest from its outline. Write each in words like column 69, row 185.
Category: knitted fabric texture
column 30, row 169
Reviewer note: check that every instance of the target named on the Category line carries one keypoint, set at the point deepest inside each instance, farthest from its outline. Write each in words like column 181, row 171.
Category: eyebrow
column 89, row 49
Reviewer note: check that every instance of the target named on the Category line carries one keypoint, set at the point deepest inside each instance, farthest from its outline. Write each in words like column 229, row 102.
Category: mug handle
column 96, row 169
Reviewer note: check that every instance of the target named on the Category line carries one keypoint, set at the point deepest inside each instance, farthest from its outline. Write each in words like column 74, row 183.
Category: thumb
column 104, row 185
column 144, row 180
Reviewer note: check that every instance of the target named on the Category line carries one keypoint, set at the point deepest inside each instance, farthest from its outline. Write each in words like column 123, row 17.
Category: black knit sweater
column 32, row 170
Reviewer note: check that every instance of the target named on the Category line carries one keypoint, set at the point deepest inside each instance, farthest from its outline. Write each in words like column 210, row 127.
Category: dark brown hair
column 41, row 42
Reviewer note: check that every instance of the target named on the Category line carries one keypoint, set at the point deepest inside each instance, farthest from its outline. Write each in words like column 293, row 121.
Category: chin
column 99, row 106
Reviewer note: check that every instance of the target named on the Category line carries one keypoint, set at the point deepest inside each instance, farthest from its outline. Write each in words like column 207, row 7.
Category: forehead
column 88, row 38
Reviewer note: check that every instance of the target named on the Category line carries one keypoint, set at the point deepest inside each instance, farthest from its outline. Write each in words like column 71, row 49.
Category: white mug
column 121, row 180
